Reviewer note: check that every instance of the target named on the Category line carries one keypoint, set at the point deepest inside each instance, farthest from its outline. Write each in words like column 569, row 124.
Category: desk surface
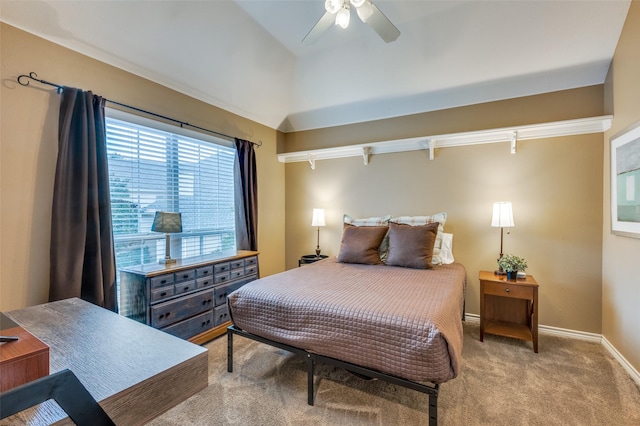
column 134, row 371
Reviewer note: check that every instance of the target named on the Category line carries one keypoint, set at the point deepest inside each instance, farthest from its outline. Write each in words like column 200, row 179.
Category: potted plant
column 511, row 264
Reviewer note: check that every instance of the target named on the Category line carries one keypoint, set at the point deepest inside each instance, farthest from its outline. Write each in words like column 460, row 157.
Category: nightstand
column 509, row 308
column 310, row 258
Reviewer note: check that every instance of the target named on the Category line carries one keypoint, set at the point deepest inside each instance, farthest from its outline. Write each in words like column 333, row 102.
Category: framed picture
column 625, row 182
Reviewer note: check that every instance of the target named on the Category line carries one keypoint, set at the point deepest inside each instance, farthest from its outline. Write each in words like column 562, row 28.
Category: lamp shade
column 318, row 218
column 502, row 215
column 166, row 222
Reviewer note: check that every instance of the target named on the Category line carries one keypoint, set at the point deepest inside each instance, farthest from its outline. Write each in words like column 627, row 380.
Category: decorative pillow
column 411, row 246
column 447, row 249
column 441, row 218
column 360, row 244
column 373, row 221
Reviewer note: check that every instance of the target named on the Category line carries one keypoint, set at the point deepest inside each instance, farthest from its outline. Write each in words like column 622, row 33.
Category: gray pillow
column 411, row 246
column 360, row 244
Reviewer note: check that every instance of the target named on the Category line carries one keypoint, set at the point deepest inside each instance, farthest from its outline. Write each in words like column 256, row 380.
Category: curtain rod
column 34, row 76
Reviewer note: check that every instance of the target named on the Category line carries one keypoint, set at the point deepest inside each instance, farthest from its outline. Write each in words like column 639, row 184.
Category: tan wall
column 547, row 107
column 28, row 149
column 620, row 270
column 555, row 186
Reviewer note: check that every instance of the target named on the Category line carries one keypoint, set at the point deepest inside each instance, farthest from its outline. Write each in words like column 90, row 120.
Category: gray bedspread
column 401, row 321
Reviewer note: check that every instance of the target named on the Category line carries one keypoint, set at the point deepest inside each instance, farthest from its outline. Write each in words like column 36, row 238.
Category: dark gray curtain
column 82, row 253
column 247, row 227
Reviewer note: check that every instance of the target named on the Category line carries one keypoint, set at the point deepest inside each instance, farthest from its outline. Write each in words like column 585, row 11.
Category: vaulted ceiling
column 246, row 56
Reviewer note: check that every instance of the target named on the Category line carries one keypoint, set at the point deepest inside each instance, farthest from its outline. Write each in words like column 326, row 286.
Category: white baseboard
column 635, row 375
column 580, row 335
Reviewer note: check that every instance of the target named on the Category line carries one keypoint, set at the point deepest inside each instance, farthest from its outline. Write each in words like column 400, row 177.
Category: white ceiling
column 246, row 56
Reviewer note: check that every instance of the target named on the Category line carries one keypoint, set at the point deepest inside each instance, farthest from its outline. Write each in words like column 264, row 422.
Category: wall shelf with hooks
column 507, row 134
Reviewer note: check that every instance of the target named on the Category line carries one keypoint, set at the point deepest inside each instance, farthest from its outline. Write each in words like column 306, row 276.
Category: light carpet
column 502, row 382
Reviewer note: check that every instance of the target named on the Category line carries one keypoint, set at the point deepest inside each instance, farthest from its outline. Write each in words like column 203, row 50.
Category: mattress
column 400, row 321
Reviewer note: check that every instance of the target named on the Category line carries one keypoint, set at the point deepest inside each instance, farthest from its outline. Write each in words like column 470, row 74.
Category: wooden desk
column 509, row 308
column 134, row 371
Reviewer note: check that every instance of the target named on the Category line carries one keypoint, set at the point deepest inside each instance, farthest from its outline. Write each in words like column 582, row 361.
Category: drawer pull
column 185, row 276
column 205, row 272
column 507, row 290
column 163, row 281
column 164, row 315
column 164, row 293
column 187, row 288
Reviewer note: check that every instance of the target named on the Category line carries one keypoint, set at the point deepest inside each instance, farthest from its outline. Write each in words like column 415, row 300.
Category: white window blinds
column 152, row 169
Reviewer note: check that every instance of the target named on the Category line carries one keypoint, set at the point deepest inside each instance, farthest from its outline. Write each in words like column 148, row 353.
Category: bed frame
column 311, row 358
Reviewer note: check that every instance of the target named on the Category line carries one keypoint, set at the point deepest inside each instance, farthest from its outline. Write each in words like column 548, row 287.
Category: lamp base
column 499, row 272
column 167, row 261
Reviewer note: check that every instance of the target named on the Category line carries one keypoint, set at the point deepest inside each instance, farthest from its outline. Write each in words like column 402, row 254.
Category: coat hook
column 365, row 154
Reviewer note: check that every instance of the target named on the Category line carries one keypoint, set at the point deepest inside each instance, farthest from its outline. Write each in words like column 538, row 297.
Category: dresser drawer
column 221, row 314
column 185, row 287
column 506, row 289
column 235, row 264
column 206, row 271
column 161, row 281
column 192, row 326
column 221, row 267
column 222, row 278
column 167, row 313
column 185, row 275
column 220, row 293
column 251, row 270
column 204, row 282
column 249, row 261
column 161, row 293
column 237, row 273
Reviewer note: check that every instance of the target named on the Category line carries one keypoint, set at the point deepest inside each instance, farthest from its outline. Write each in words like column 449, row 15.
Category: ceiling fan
column 339, row 11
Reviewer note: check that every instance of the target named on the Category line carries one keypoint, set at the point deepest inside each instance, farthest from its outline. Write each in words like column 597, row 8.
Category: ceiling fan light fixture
column 333, row 6
column 343, row 16
column 357, row 3
column 365, row 10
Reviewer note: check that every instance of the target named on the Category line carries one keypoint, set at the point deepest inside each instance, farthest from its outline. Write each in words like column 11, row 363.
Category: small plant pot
column 512, row 275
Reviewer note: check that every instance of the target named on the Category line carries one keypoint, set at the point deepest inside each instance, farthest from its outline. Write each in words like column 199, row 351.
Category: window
column 157, row 167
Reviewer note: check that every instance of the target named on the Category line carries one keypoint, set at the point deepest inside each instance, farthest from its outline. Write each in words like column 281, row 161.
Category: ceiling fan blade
column 321, row 26
column 382, row 25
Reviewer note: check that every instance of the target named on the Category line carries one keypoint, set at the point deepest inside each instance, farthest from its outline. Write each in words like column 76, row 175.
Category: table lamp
column 169, row 223
column 502, row 218
column 318, row 221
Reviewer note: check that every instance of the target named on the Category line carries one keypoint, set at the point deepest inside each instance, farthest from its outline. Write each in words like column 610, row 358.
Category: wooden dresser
column 189, row 298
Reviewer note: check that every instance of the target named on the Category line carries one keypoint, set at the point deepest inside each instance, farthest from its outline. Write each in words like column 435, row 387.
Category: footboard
column 311, row 358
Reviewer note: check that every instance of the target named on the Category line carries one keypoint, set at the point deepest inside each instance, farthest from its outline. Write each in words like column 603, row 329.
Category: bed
column 395, row 323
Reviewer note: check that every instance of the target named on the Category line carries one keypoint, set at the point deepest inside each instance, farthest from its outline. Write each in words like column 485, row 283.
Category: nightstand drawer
column 508, row 290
